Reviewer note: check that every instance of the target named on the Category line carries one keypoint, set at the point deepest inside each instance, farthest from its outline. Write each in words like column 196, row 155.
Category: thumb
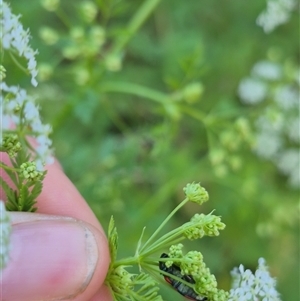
column 53, row 258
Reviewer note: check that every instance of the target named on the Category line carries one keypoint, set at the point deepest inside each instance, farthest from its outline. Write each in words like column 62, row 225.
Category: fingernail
column 49, row 260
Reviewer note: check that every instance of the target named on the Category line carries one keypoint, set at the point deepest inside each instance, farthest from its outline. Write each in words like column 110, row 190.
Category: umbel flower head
column 195, row 193
column 259, row 286
column 16, row 39
column 203, row 225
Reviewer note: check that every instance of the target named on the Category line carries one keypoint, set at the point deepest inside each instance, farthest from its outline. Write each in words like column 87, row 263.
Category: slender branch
column 135, row 23
column 135, row 89
column 164, row 223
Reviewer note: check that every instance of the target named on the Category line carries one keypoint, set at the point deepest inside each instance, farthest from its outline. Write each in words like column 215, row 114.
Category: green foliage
column 128, row 135
column 26, row 188
column 143, row 286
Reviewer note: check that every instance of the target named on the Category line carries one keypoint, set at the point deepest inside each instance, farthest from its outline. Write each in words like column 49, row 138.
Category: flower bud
column 195, row 193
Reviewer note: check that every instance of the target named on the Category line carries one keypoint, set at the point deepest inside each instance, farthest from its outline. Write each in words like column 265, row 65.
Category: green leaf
column 112, row 239
column 12, row 174
column 11, row 195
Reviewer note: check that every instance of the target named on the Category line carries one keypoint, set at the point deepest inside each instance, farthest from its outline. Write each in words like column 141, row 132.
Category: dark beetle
column 181, row 288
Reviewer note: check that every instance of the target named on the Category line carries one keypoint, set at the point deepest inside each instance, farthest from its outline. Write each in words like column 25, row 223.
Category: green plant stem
column 63, row 17
column 163, row 224
column 6, row 167
column 202, row 117
column 135, row 89
column 135, row 23
column 17, row 63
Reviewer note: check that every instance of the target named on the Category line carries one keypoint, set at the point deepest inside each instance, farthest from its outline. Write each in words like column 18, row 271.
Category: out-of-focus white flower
column 252, row 91
column 259, row 286
column 267, row 70
column 5, row 231
column 268, row 144
column 294, row 129
column 287, row 97
column 288, row 163
column 277, row 12
column 15, row 37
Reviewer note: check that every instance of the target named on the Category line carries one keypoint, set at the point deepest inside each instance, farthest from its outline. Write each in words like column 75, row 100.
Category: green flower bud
column 203, row 225
column 71, row 52
column 196, row 193
column 77, row 33
column 88, row 10
column 97, row 35
column 29, row 171
column 175, row 251
column 192, row 264
column 50, row 5
column 193, row 92
column 11, row 145
column 48, row 35
column 113, row 62
column 45, row 71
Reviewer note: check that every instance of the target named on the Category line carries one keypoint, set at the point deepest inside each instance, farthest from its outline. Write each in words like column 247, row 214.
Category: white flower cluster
column 19, row 100
column 277, row 12
column 259, row 286
column 5, row 230
column 15, row 39
column 16, row 107
column 278, row 125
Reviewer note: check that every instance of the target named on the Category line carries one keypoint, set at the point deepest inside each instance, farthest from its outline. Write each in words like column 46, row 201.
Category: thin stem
column 135, row 23
column 17, row 63
column 63, row 17
column 164, row 223
column 127, row 261
column 6, row 167
column 135, row 89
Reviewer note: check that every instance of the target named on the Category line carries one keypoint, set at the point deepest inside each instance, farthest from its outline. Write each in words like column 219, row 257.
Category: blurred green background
column 138, row 112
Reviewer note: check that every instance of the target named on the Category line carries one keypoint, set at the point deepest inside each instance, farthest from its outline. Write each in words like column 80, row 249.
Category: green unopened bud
column 113, row 62
column 125, row 277
column 192, row 264
column 29, row 171
column 196, row 193
column 10, row 144
column 45, row 71
column 5, row 231
column 82, row 76
column 203, row 225
column 193, row 92
column 48, row 35
column 97, row 35
column 176, row 251
column 71, row 52
column 88, row 10
column 50, row 5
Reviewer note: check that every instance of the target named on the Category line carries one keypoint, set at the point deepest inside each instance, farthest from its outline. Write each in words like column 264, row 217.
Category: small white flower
column 30, row 118
column 15, row 37
column 294, row 129
column 267, row 70
column 268, row 144
column 259, row 286
column 288, row 162
column 287, row 97
column 277, row 12
column 252, row 91
column 5, row 231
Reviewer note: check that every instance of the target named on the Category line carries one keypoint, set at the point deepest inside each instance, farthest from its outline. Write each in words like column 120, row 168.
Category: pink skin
column 59, row 201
